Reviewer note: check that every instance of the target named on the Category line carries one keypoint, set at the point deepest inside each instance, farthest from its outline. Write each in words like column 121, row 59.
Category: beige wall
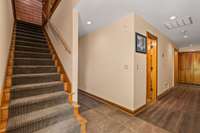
column 110, row 68
column 106, row 62
column 6, row 27
column 195, row 47
column 165, row 63
column 65, row 19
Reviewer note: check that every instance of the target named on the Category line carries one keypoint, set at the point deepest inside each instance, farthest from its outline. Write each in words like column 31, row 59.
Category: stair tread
column 38, row 115
column 22, row 41
column 38, row 101
column 20, row 22
column 61, row 127
column 32, row 47
column 34, row 75
column 33, row 58
column 36, row 85
column 29, row 52
column 26, row 37
column 27, row 34
column 29, row 31
column 32, row 66
column 37, row 98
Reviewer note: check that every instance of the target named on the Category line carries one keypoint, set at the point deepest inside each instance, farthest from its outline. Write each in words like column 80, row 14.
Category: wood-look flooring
column 105, row 118
column 177, row 112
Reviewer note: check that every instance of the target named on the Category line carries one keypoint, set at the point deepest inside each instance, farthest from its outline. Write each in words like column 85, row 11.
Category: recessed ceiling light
column 89, row 22
column 185, row 36
column 172, row 17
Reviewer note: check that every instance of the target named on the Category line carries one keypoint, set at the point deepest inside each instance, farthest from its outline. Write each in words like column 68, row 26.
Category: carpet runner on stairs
column 38, row 101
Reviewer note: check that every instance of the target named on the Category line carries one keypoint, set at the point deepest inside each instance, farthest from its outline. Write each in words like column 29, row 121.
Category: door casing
column 154, row 80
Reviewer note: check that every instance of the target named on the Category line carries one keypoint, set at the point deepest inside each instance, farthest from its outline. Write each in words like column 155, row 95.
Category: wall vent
column 179, row 22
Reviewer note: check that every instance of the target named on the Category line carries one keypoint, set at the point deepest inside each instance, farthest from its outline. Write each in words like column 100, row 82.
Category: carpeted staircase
column 38, row 101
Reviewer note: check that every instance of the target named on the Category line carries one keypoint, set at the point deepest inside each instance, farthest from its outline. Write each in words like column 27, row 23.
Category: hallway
column 178, row 111
column 103, row 118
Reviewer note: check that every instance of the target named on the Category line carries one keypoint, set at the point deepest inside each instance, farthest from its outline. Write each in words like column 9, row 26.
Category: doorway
column 152, row 69
column 175, row 66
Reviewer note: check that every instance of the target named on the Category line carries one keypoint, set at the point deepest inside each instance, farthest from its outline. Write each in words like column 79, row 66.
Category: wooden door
column 189, row 67
column 175, row 66
column 151, row 68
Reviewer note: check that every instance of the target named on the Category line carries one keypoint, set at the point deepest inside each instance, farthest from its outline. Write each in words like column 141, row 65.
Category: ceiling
column 156, row 12
column 29, row 11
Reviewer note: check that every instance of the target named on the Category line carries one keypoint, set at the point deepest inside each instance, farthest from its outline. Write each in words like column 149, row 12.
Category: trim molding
column 5, row 91
column 165, row 93
column 52, row 10
column 14, row 9
column 60, row 68
column 131, row 112
column 67, row 84
column 146, row 106
column 1, row 94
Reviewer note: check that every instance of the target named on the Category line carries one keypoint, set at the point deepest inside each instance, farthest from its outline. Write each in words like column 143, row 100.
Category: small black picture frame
column 140, row 43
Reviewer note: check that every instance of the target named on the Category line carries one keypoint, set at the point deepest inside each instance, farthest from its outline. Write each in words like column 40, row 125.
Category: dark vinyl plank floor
column 177, row 112
column 104, row 118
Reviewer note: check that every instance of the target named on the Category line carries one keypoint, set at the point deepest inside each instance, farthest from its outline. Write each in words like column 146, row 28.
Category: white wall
column 165, row 63
column 192, row 48
column 106, row 62
column 6, row 27
column 65, row 19
column 110, row 68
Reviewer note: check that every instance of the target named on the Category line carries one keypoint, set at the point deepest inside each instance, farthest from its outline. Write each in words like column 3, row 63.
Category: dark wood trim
column 131, row 112
column 57, row 2
column 14, row 9
column 60, row 68
column 67, row 84
column 140, row 109
column 164, row 93
column 55, row 5
column 198, row 51
column 7, row 86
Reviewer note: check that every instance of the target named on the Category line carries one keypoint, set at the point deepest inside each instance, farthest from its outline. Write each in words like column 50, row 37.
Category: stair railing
column 59, row 36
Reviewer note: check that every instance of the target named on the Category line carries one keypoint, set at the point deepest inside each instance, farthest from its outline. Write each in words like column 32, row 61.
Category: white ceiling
column 156, row 12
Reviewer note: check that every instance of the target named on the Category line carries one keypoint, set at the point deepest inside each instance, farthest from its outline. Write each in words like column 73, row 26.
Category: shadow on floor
column 103, row 118
column 178, row 111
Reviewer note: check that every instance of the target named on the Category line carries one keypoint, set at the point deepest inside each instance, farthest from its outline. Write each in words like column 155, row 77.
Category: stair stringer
column 67, row 83
column 4, row 105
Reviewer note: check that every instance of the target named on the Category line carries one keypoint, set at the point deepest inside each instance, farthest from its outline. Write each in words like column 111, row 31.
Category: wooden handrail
column 58, row 34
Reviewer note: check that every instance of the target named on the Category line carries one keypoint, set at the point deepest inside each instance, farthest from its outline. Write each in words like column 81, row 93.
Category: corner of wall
column 6, row 26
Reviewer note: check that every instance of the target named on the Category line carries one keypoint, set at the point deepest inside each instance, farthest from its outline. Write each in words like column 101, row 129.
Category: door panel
column 151, row 68
column 189, row 67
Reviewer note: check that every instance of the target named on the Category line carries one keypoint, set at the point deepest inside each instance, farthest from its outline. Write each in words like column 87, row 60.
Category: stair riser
column 22, row 109
column 36, row 70
column 29, row 35
column 29, row 32
column 26, row 92
column 30, row 39
column 27, row 28
column 31, row 49
column 32, row 62
column 36, row 79
column 30, row 55
column 36, row 125
column 28, row 25
column 25, row 43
